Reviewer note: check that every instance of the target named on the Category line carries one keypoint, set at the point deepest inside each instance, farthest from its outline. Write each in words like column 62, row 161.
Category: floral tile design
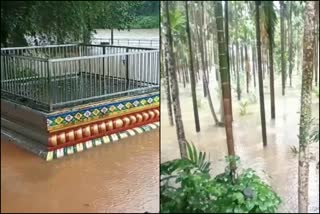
column 91, row 113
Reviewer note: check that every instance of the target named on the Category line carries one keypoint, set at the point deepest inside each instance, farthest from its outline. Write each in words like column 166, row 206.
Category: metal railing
column 53, row 77
column 154, row 43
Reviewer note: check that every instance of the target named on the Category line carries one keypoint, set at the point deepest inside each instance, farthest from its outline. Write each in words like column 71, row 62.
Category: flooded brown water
column 122, row 177
column 275, row 163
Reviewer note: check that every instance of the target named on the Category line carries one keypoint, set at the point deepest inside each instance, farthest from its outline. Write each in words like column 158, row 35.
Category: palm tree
column 223, row 63
column 305, row 111
column 227, row 43
column 316, row 54
column 204, row 68
column 254, row 65
column 192, row 74
column 169, row 103
column 270, row 23
column 290, row 34
column 261, row 95
column 283, row 66
column 167, row 80
column 174, row 82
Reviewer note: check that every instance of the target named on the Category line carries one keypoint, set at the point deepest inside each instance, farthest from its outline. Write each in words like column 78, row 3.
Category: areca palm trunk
column 226, row 12
column 169, row 103
column 215, row 50
column 201, row 51
column 316, row 55
column 290, row 45
column 305, row 110
column 247, row 67
column 270, row 22
column 224, row 81
column 283, row 67
column 237, row 71
column 261, row 95
column 192, row 76
column 204, row 76
column 273, row 111
column 254, row 66
column 174, row 82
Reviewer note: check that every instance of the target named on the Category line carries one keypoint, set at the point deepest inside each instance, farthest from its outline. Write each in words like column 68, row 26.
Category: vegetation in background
column 244, row 108
column 69, row 21
column 147, row 15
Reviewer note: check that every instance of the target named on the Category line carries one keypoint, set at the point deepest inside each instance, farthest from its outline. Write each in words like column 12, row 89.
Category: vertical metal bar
column 64, row 83
column 90, row 76
column 127, row 69
column 103, row 67
column 49, row 87
column 59, row 83
column 37, row 64
column 79, row 91
column 42, row 82
column 94, row 73
column 100, row 60
column 113, row 70
column 70, row 88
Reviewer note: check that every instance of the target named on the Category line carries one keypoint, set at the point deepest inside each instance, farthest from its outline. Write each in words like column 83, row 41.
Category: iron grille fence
column 57, row 76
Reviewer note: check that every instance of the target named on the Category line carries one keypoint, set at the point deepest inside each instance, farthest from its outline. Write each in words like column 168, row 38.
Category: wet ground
column 122, row 177
column 275, row 163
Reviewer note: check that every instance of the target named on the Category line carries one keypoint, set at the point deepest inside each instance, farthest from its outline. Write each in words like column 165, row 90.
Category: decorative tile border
column 95, row 129
column 59, row 153
column 62, row 120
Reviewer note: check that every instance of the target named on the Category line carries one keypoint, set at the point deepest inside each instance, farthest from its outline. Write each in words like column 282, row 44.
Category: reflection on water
column 123, row 177
column 275, row 163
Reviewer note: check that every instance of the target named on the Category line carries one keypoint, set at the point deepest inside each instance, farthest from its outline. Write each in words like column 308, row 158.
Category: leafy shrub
column 187, row 187
column 243, row 108
column 294, row 150
column 145, row 22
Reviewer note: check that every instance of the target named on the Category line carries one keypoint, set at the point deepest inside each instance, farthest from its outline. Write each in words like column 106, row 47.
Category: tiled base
column 59, row 153
column 41, row 150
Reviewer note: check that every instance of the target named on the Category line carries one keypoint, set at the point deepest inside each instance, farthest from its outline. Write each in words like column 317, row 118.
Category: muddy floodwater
column 119, row 177
column 275, row 163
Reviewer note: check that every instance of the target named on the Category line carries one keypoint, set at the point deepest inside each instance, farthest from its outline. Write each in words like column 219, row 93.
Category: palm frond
column 198, row 158
column 270, row 18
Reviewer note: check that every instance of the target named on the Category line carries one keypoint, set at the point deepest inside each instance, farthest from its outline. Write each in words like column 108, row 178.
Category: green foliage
column 294, row 150
column 145, row 22
column 178, row 24
column 269, row 18
column 198, row 158
column 185, row 188
column 312, row 136
column 316, row 92
column 66, row 21
column 314, row 133
column 243, row 108
column 249, row 194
